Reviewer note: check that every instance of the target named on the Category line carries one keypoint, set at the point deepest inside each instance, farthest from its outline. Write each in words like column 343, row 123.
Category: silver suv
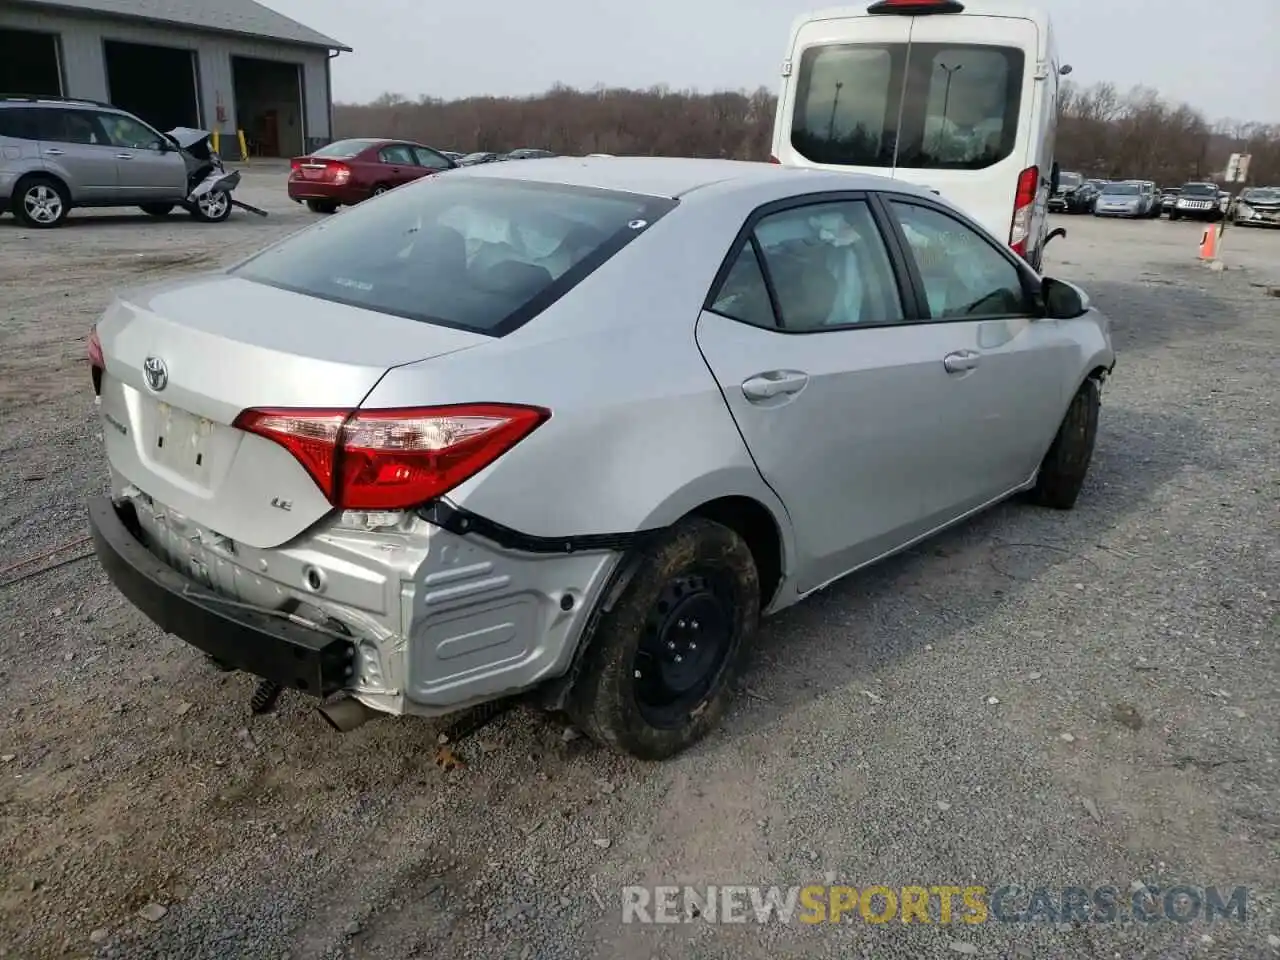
column 58, row 153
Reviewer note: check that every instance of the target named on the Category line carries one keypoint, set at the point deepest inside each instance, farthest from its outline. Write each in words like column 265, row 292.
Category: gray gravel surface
column 1129, row 646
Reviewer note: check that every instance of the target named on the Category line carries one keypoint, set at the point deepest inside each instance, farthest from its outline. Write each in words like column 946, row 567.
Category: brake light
column 294, row 165
column 913, row 8
column 1024, row 202
column 394, row 459
column 339, row 172
column 97, row 363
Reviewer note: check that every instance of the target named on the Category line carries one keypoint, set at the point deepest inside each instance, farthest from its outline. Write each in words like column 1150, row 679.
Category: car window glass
column 927, row 106
column 828, row 266
column 397, row 153
column 127, row 132
column 18, row 122
column 744, row 295
column 963, row 275
column 70, row 126
column 430, row 159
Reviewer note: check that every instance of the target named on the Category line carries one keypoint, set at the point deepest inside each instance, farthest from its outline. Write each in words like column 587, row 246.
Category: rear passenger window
column 18, row 122
column 70, row 126
column 828, row 267
column 964, row 277
column 398, row 153
column 744, row 295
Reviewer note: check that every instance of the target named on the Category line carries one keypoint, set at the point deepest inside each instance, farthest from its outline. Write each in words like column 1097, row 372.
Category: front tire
column 657, row 674
column 212, row 207
column 1066, row 465
column 41, row 202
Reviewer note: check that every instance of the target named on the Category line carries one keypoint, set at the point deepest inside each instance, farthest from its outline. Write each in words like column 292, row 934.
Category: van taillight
column 1024, row 203
column 97, row 363
column 911, row 8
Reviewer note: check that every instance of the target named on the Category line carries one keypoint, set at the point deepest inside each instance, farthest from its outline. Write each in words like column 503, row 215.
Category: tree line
column 1102, row 132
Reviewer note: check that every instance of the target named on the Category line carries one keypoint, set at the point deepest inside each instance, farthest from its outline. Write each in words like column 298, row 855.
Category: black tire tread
column 601, row 702
column 1065, row 466
column 15, row 204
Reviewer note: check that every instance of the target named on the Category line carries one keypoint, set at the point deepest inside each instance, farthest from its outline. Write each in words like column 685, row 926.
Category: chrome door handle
column 124, row 156
column 961, row 360
column 775, row 383
column 52, row 152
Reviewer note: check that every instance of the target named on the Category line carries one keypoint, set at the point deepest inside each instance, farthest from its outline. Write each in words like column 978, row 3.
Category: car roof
column 981, row 8
column 675, row 177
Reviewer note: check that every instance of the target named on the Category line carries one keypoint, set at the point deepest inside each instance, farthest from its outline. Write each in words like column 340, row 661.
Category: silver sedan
column 569, row 429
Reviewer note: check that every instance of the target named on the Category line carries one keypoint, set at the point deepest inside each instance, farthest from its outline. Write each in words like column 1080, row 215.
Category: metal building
column 221, row 65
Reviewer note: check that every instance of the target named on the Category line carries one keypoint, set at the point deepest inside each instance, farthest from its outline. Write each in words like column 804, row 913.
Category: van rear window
column 926, row 106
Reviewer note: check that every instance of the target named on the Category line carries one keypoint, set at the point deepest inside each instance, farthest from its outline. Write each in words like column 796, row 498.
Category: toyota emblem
column 156, row 373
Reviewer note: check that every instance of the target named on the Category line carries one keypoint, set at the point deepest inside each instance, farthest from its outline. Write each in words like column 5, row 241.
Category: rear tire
column 321, row 206
column 379, row 190
column 157, row 209
column 657, row 673
column 1066, row 465
column 40, row 201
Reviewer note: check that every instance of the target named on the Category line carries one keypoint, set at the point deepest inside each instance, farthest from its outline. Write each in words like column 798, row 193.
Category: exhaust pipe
column 345, row 714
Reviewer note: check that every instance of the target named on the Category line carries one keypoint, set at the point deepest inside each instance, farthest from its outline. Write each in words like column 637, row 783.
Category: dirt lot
column 1036, row 698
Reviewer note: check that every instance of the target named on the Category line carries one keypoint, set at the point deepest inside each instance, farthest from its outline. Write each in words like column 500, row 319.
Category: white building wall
column 84, row 69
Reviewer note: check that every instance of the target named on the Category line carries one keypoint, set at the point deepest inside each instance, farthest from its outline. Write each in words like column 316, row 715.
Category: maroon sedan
column 349, row 171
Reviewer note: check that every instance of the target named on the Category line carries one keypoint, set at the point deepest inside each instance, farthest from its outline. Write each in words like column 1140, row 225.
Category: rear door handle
column 961, row 361
column 124, row 156
column 52, row 152
column 775, row 383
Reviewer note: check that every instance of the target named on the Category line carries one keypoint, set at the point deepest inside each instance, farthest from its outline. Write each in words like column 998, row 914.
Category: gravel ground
column 1035, row 698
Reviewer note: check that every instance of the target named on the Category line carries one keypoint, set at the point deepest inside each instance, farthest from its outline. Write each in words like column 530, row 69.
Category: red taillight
column 394, row 459
column 1024, row 202
column 294, row 165
column 339, row 172
column 97, row 363
column 773, row 159
column 916, row 7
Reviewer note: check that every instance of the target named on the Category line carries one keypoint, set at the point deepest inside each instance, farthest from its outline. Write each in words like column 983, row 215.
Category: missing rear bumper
column 272, row 647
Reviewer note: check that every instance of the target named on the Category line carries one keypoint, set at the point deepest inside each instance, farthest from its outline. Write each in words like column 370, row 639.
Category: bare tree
column 1101, row 132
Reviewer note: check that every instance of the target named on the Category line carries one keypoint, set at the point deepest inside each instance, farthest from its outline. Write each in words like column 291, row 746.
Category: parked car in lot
column 483, row 156
column 1197, row 201
column 1074, row 195
column 1126, row 198
column 349, row 171
column 1168, row 197
column 430, row 480
column 57, row 154
column 1257, row 207
column 529, row 153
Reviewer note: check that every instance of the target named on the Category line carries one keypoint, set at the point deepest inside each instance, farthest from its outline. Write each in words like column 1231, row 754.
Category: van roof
column 980, row 8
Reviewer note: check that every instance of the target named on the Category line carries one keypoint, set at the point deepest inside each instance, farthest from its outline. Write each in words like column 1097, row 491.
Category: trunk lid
column 321, row 169
column 184, row 359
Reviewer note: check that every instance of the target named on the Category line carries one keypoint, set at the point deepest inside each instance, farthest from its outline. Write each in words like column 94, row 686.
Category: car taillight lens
column 339, row 172
column 394, row 459
column 97, row 363
column 1024, row 202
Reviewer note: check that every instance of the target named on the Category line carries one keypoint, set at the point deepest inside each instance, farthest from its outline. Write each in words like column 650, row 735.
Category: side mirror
column 1062, row 300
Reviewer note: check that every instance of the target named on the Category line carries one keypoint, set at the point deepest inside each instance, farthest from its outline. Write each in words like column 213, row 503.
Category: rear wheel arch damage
column 746, row 517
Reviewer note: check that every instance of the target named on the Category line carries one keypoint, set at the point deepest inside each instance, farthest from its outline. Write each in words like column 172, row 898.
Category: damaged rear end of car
column 267, row 509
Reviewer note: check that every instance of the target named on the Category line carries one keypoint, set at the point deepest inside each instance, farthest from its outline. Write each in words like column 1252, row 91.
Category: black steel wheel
column 657, row 672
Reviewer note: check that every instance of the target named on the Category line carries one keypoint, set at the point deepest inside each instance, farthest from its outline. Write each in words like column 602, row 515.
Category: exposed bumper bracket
column 274, row 647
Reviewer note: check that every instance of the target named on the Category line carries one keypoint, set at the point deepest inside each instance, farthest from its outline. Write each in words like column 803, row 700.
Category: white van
column 957, row 96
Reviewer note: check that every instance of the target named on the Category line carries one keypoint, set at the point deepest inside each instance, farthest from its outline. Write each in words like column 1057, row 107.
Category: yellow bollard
column 244, row 149
column 216, row 138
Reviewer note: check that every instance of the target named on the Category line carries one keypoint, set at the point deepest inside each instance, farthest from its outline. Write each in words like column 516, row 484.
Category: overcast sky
column 1219, row 56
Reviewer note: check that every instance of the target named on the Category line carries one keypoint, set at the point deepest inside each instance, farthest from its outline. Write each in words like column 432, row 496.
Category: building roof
column 244, row 17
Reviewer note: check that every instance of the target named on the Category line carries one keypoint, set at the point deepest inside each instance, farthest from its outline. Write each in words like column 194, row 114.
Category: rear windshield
column 946, row 107
column 1122, row 189
column 1070, row 180
column 1262, row 195
column 474, row 253
column 344, row 148
column 1200, row 190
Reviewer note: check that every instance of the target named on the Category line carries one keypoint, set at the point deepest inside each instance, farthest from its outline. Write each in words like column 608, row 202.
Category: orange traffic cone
column 1209, row 243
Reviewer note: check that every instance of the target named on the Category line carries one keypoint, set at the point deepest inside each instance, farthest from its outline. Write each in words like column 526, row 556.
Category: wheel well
column 755, row 524
column 40, row 175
